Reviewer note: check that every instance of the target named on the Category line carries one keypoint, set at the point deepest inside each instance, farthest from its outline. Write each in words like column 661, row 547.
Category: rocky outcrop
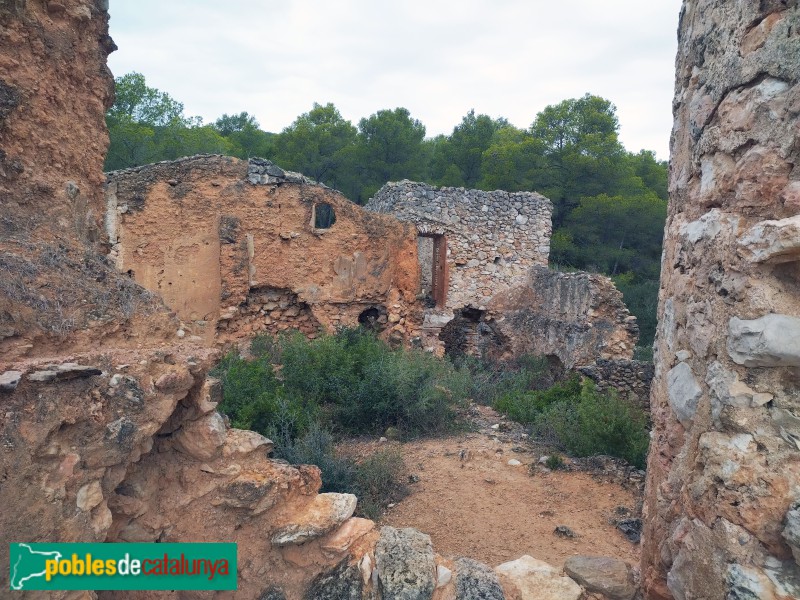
column 723, row 474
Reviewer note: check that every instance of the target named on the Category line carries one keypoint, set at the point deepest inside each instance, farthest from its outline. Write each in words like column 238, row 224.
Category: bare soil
column 473, row 503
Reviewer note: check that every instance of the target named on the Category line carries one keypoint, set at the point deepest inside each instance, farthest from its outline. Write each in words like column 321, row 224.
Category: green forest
column 610, row 204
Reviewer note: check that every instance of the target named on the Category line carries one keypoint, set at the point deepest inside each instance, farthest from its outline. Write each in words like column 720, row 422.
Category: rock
column 631, row 529
column 608, row 576
column 791, row 532
column 89, row 496
column 67, row 371
column 405, row 564
column 683, row 392
column 209, row 397
column 476, row 581
column 342, row 583
column 443, row 576
column 10, row 380
column 42, row 376
column 514, row 463
column 564, row 532
column 537, row 580
column 324, row 513
column 770, row 341
column 340, row 540
column 240, row 441
column 201, row 438
column 772, row 241
column 176, row 381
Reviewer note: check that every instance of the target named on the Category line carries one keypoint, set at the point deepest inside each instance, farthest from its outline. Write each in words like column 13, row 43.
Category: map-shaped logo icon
column 28, row 564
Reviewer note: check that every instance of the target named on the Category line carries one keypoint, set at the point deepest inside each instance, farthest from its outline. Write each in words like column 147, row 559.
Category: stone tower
column 721, row 514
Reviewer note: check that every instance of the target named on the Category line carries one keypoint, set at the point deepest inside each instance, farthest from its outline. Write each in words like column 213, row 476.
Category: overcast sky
column 437, row 58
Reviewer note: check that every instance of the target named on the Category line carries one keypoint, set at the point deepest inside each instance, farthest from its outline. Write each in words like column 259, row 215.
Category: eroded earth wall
column 722, row 519
column 234, row 249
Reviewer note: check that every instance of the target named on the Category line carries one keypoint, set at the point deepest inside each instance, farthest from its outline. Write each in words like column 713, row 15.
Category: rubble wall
column 492, row 238
column 629, row 379
column 233, row 248
column 722, row 518
column 578, row 317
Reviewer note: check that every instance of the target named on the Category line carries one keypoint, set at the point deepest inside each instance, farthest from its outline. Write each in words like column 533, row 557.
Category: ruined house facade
column 472, row 244
column 240, row 248
column 722, row 504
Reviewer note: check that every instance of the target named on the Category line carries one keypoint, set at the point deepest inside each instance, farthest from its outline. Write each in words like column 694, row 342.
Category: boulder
column 324, row 513
column 476, row 581
column 405, row 564
column 537, row 580
column 202, row 438
column 608, row 576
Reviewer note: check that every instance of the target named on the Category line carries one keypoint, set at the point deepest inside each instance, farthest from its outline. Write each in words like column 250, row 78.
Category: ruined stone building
column 237, row 248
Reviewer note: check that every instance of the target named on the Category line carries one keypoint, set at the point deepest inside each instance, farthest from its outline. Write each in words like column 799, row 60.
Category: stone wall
column 723, row 489
column 218, row 237
column 492, row 238
column 630, row 379
column 577, row 317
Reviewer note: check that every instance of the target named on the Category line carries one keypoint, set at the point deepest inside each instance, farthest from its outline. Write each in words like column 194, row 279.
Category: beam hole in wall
column 432, row 253
column 324, row 217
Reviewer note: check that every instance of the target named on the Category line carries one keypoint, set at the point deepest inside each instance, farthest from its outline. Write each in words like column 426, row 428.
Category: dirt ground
column 473, row 503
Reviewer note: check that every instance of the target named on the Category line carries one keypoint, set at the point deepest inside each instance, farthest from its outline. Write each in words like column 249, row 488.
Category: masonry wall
column 577, row 317
column 233, row 249
column 493, row 238
column 722, row 506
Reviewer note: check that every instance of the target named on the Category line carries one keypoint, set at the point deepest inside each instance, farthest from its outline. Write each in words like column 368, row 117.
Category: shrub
column 489, row 380
column 352, row 381
column 315, row 447
column 525, row 407
column 554, row 462
column 379, row 482
column 596, row 424
column 376, row 480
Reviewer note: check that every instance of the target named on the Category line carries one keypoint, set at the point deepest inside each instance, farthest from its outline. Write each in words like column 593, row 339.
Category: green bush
column 489, row 380
column 315, row 447
column 596, row 424
column 352, row 381
column 526, row 406
column 376, row 480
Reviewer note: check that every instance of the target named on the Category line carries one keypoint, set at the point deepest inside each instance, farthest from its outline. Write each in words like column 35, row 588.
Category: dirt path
column 473, row 503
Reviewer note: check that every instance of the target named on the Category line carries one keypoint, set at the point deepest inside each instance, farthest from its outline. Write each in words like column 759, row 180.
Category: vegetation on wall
column 610, row 204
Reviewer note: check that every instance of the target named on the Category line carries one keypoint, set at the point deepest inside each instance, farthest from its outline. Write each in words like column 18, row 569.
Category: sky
column 437, row 58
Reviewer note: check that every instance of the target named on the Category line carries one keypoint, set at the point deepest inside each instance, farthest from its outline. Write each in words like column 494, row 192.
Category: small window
column 324, row 217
